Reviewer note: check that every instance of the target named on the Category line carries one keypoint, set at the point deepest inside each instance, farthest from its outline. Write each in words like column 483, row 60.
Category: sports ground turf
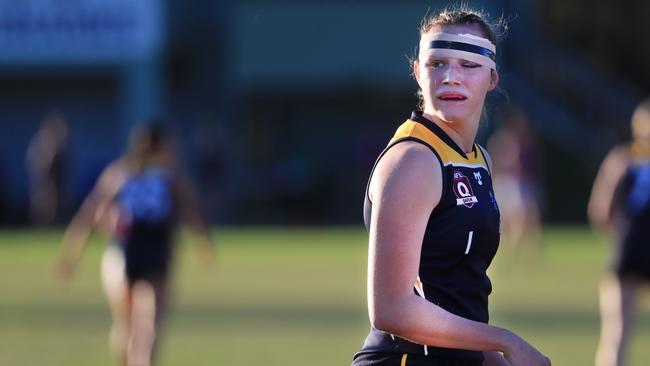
column 287, row 297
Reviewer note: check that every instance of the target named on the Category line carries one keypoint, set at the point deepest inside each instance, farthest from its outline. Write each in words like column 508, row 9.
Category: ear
column 416, row 70
column 494, row 79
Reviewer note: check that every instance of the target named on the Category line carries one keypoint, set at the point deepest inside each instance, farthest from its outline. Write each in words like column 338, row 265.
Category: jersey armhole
column 485, row 157
column 414, row 139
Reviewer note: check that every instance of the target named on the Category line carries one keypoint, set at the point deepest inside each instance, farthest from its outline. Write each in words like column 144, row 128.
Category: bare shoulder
column 408, row 159
column 113, row 176
column 616, row 159
column 618, row 153
column 407, row 168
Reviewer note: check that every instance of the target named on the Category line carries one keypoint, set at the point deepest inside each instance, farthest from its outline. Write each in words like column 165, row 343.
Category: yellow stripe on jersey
column 447, row 154
column 640, row 151
column 403, row 363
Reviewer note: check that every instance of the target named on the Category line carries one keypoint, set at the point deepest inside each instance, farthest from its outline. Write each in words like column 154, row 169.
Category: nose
column 451, row 75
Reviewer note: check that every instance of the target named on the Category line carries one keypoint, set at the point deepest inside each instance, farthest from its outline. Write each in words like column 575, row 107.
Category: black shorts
column 147, row 251
column 366, row 358
column 146, row 264
column 633, row 259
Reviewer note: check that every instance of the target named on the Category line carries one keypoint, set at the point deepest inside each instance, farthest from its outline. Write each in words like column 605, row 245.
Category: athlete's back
column 146, row 221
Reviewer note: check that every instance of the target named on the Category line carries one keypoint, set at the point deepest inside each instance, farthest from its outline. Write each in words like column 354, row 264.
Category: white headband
column 466, row 46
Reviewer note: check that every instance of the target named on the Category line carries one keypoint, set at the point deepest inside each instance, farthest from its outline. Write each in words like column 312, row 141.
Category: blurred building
column 281, row 106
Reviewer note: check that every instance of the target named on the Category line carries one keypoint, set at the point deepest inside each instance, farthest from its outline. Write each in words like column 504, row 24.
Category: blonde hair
column 641, row 120
column 461, row 15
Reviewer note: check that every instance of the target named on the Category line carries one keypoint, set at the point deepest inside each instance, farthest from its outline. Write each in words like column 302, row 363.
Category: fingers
column 527, row 356
column 64, row 271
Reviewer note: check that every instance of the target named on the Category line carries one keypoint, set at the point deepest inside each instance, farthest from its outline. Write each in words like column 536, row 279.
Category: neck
column 462, row 133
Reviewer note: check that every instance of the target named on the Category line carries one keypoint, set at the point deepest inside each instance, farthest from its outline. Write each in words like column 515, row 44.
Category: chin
column 450, row 117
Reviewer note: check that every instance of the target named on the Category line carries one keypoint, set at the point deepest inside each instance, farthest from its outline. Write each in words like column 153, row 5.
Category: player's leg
column 533, row 224
column 161, row 290
column 116, row 289
column 617, row 307
column 149, row 303
column 142, row 329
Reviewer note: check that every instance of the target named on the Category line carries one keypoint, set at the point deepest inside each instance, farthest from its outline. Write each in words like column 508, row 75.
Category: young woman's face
column 454, row 89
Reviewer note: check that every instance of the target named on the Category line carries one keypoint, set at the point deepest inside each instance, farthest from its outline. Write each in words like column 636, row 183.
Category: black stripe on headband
column 464, row 47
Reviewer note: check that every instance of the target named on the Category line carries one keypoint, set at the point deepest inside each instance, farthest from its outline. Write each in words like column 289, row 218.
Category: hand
column 64, row 270
column 494, row 359
column 206, row 252
column 521, row 353
column 207, row 258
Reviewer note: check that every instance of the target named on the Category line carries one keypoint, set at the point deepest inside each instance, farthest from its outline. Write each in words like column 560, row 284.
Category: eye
column 435, row 63
column 471, row 65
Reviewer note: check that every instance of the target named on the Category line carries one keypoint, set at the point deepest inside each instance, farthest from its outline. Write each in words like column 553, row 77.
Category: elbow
column 383, row 324
column 377, row 321
column 384, row 319
column 593, row 214
column 598, row 218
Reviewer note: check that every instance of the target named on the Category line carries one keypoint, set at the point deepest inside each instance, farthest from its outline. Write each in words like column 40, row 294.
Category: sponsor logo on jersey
column 463, row 190
column 477, row 176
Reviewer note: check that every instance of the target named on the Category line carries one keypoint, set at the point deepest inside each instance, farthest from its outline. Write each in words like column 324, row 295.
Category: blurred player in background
column 46, row 170
column 514, row 151
column 139, row 200
column 620, row 204
column 432, row 217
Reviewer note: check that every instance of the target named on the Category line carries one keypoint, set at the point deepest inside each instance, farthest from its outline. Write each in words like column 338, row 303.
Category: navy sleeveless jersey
column 636, row 183
column 461, row 238
column 632, row 206
column 146, row 221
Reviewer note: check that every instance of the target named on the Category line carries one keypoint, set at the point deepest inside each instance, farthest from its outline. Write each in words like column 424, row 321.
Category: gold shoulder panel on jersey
column 447, row 154
column 417, row 130
column 481, row 159
column 640, row 151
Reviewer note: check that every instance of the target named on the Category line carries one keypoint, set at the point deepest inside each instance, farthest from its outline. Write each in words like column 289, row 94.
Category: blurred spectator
column 46, row 167
column 139, row 200
column 514, row 152
column 620, row 204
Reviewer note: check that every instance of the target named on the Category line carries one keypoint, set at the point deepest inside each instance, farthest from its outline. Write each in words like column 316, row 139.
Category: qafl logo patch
column 463, row 190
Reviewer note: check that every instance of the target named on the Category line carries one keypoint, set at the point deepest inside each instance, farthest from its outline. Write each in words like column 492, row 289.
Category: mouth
column 454, row 97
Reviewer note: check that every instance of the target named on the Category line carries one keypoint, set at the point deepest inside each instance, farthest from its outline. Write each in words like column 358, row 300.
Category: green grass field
column 287, row 297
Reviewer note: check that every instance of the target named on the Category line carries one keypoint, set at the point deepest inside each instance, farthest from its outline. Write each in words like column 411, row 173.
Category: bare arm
column 192, row 217
column 405, row 188
column 92, row 210
column 602, row 194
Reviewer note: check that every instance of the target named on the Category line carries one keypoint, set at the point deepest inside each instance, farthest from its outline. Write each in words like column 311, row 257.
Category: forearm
column 423, row 322
column 77, row 234
column 74, row 241
column 202, row 237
